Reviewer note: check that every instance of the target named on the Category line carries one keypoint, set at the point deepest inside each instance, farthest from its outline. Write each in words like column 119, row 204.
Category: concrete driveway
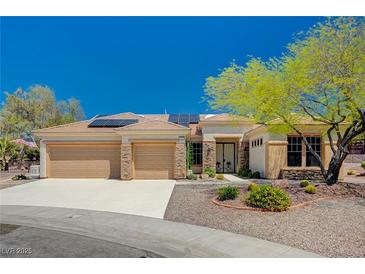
column 138, row 197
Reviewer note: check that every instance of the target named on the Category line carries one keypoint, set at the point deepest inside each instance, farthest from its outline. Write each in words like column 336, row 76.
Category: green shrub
column 20, row 177
column 210, row 171
column 255, row 175
column 311, row 189
column 248, row 173
column 220, row 177
column 243, row 172
column 363, row 164
column 252, row 186
column 227, row 193
column 191, row 177
column 240, row 171
column 304, row 183
column 268, row 197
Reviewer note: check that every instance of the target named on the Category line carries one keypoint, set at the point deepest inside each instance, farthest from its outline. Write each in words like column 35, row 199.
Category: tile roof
column 224, row 117
column 152, row 124
column 147, row 121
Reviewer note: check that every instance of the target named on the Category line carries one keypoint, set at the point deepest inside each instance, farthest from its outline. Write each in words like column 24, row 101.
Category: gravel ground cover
column 11, row 183
column 299, row 196
column 332, row 228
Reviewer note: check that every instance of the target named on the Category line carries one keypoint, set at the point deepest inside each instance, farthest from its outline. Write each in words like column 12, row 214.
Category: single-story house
column 153, row 146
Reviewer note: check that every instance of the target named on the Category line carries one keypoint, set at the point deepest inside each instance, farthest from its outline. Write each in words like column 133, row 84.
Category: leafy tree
column 320, row 78
column 36, row 108
column 31, row 153
column 8, row 151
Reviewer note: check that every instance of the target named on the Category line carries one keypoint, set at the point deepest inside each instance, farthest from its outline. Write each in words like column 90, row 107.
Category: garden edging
column 218, row 203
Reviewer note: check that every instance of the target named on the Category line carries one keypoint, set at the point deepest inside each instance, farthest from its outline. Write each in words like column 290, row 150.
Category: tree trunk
column 333, row 172
column 20, row 157
column 334, row 167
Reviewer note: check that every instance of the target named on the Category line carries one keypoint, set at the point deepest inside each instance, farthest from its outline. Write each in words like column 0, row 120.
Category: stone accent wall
column 301, row 174
column 180, row 160
column 209, row 154
column 126, row 162
column 243, row 154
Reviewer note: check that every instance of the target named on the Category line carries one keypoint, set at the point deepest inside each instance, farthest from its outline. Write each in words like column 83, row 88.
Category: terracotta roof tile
column 153, row 124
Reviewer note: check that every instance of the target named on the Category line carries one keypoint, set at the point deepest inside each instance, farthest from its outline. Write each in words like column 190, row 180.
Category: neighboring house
column 153, row 146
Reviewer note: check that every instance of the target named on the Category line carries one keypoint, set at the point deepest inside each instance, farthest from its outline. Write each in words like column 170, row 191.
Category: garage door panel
column 154, row 161
column 94, row 161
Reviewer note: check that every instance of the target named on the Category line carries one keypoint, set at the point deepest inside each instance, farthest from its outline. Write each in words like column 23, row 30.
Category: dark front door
column 225, row 157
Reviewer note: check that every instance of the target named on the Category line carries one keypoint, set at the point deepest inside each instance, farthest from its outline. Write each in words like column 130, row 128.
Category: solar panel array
column 184, row 119
column 112, row 122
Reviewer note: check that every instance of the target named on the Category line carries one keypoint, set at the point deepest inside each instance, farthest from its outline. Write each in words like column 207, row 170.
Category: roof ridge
column 128, row 112
column 63, row 125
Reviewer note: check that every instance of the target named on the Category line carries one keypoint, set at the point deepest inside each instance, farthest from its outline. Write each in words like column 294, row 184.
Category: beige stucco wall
column 258, row 154
column 212, row 131
column 259, row 157
column 43, row 159
column 275, row 158
column 274, row 154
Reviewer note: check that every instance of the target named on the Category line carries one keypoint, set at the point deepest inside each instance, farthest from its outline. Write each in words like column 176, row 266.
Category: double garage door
column 84, row 160
column 150, row 161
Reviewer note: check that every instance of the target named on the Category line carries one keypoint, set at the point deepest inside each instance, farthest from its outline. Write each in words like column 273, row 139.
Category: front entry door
column 225, row 157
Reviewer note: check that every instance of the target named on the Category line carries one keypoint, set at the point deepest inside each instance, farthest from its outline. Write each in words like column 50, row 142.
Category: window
column 294, row 151
column 260, row 141
column 197, row 153
column 315, row 143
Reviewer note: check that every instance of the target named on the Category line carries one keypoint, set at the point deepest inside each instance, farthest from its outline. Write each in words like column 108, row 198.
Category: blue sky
column 138, row 64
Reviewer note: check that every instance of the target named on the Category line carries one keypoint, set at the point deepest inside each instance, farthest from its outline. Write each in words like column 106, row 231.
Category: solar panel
column 184, row 119
column 174, row 118
column 97, row 123
column 194, row 118
column 112, row 122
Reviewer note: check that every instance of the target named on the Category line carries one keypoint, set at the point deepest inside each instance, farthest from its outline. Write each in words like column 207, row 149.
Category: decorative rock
column 204, row 176
column 281, row 183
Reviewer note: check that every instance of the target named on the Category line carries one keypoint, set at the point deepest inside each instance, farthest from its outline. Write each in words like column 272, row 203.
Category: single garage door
column 84, row 160
column 154, row 161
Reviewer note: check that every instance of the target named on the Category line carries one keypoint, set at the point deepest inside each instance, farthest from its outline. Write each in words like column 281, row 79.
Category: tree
column 36, row 108
column 8, row 151
column 321, row 77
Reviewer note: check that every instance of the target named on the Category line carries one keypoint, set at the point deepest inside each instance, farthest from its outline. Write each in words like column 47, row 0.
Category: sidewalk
column 168, row 239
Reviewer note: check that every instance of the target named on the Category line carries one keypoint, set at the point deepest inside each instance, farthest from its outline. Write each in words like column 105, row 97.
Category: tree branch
column 330, row 139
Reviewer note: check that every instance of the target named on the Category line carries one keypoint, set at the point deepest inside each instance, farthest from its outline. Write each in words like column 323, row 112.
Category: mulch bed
column 298, row 196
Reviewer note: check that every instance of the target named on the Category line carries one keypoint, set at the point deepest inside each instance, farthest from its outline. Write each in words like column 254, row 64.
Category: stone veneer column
column 209, row 154
column 243, row 154
column 126, row 162
column 180, row 160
